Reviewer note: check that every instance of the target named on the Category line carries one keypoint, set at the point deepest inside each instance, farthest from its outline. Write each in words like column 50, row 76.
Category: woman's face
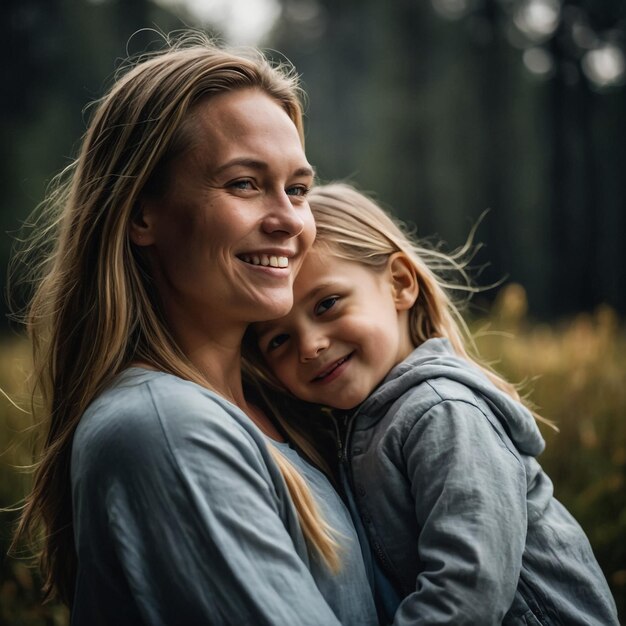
column 228, row 237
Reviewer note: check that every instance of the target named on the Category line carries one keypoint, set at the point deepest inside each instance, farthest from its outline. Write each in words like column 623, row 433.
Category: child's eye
column 325, row 304
column 276, row 342
column 297, row 190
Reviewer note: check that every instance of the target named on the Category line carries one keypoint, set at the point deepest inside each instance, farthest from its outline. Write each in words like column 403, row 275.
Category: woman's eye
column 242, row 185
column 324, row 305
column 276, row 342
column 297, row 190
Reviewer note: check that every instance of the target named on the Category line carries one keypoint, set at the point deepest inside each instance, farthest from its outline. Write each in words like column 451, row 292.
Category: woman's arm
column 196, row 515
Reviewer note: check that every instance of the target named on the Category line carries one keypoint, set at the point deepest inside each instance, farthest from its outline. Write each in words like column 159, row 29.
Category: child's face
column 342, row 336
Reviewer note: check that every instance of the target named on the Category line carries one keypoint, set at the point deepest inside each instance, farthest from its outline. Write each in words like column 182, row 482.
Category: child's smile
column 342, row 336
column 329, row 374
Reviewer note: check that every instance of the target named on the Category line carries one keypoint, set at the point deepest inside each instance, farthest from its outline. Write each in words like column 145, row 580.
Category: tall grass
column 574, row 373
column 20, row 595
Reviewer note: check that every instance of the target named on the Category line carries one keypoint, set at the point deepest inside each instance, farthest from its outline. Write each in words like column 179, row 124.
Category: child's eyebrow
column 261, row 329
column 313, row 293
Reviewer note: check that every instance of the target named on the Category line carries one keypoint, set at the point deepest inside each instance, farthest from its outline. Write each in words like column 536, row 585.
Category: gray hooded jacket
column 460, row 515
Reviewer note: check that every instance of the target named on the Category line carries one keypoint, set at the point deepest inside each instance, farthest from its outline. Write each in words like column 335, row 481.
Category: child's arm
column 469, row 489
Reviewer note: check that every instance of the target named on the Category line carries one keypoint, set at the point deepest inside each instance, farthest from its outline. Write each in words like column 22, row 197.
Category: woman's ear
column 141, row 227
column 404, row 281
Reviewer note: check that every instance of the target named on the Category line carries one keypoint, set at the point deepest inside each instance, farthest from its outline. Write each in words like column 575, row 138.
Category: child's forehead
column 316, row 259
column 325, row 245
column 322, row 258
column 320, row 266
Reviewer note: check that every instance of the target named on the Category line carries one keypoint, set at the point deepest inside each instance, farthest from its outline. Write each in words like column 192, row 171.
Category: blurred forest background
column 443, row 108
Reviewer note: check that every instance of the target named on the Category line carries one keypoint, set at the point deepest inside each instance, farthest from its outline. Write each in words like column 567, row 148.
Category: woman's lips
column 334, row 371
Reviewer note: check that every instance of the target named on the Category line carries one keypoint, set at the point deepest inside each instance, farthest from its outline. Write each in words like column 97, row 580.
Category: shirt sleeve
column 469, row 490
column 187, row 501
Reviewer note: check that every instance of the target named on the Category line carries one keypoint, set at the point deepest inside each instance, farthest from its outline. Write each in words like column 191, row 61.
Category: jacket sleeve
column 469, row 490
column 188, row 503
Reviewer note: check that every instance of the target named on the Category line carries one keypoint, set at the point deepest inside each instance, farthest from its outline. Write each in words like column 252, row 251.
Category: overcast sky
column 242, row 22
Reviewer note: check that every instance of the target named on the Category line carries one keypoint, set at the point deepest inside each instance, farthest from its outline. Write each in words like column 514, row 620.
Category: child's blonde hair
column 353, row 227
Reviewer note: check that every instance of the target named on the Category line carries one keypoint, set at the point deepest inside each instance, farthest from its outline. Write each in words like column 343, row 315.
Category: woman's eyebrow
column 309, row 170
column 256, row 164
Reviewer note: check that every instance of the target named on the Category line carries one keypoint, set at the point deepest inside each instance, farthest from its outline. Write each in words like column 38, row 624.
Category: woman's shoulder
column 137, row 395
column 152, row 411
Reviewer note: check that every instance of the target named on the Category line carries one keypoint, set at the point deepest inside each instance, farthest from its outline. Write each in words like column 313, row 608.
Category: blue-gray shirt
column 181, row 516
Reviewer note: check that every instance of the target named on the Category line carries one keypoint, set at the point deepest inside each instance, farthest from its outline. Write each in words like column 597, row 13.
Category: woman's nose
column 283, row 216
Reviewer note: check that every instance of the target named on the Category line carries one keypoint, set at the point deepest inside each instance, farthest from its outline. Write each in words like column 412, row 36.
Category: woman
column 164, row 496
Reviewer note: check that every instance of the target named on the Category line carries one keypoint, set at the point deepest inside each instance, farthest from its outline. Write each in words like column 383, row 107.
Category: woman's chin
column 273, row 309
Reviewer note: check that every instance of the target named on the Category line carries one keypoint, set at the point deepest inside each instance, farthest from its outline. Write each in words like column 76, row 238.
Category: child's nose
column 312, row 346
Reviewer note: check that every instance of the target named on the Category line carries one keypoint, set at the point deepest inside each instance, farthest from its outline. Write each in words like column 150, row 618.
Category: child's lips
column 327, row 372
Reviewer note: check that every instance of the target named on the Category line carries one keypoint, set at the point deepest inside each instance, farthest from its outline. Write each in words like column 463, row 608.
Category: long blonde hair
column 93, row 310
column 353, row 227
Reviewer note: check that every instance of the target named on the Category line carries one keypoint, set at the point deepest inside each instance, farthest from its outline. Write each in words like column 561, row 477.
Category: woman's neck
column 215, row 351
column 262, row 421
column 221, row 368
column 219, row 362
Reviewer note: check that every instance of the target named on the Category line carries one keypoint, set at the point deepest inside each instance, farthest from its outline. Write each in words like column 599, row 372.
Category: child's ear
column 141, row 227
column 404, row 281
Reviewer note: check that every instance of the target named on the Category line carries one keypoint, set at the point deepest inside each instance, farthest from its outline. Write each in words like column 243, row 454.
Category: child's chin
column 346, row 404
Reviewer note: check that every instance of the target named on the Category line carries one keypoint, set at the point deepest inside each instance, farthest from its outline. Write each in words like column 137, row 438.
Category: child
column 440, row 451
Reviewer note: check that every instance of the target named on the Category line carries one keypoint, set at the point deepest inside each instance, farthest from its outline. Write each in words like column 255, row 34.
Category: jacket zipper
column 338, row 438
column 343, row 457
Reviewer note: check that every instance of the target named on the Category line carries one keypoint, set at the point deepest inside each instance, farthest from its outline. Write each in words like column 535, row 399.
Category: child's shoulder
column 446, row 410
column 432, row 375
column 427, row 394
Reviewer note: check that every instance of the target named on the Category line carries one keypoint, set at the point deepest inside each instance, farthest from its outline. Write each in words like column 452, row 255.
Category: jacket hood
column 436, row 358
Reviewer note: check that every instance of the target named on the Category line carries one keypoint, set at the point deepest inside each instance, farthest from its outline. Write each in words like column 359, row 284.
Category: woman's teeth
column 266, row 260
